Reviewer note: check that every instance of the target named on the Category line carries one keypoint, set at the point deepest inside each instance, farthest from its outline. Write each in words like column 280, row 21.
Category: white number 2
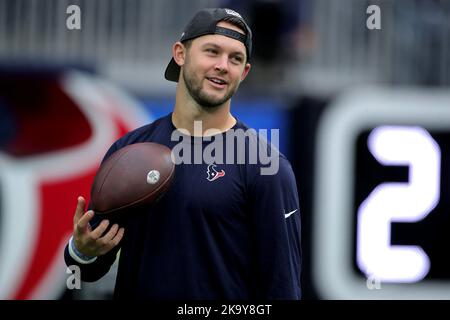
column 398, row 202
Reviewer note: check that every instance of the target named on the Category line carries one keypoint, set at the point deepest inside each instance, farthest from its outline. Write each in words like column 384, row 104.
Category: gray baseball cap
column 205, row 22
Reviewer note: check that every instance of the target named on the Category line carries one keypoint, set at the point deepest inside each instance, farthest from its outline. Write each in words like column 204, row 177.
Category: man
column 224, row 230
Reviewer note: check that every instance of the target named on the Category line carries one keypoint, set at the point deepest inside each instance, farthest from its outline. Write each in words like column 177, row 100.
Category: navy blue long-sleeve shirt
column 234, row 236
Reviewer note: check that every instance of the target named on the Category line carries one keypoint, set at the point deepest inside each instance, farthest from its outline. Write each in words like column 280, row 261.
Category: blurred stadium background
column 320, row 75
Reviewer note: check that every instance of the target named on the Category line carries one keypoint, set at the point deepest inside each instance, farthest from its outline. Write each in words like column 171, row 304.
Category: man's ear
column 246, row 71
column 179, row 53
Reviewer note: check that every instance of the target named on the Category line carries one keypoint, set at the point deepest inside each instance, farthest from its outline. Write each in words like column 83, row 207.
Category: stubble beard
column 195, row 90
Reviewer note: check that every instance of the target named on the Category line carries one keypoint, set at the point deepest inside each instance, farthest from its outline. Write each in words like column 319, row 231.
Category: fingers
column 112, row 238
column 79, row 210
column 92, row 243
column 114, row 241
column 101, row 228
column 110, row 235
column 119, row 235
column 82, row 224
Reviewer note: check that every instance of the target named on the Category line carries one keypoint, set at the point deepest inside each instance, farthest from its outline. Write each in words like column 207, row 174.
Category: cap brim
column 172, row 71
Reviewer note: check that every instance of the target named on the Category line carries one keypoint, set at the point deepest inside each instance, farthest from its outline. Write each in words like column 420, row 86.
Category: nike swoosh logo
column 287, row 215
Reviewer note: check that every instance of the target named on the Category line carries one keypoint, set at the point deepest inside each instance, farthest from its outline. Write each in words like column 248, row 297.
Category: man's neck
column 187, row 112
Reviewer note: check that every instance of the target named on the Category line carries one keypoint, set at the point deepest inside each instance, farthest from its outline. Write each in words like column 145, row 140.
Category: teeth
column 217, row 80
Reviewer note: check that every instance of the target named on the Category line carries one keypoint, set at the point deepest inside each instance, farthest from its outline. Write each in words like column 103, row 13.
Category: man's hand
column 91, row 242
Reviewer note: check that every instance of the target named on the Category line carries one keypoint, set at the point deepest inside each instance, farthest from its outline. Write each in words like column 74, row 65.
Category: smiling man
column 209, row 69
column 224, row 229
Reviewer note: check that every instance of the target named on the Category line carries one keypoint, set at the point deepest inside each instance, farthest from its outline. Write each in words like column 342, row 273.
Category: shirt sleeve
column 92, row 271
column 276, row 219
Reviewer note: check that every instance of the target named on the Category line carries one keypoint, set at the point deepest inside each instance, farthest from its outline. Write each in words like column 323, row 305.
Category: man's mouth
column 217, row 81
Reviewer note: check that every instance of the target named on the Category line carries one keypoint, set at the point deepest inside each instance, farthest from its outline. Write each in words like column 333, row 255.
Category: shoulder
column 259, row 136
column 145, row 132
column 141, row 134
column 275, row 168
column 265, row 163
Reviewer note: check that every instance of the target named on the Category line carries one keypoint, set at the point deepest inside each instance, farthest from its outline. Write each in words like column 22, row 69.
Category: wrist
column 77, row 255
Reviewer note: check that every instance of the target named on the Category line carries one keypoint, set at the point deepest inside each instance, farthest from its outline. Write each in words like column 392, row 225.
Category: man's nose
column 222, row 63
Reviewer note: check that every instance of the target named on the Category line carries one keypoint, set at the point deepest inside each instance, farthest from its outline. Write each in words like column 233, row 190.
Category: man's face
column 214, row 67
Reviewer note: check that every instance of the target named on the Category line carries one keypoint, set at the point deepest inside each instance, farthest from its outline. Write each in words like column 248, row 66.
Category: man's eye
column 214, row 51
column 237, row 59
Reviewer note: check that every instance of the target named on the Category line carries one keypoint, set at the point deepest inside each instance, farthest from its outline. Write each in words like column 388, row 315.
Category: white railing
column 130, row 40
column 411, row 48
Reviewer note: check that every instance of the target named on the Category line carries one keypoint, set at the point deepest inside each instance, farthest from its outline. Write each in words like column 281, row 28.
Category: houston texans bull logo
column 213, row 174
column 41, row 178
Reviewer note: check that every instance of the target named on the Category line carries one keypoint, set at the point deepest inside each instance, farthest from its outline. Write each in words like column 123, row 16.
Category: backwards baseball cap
column 205, row 22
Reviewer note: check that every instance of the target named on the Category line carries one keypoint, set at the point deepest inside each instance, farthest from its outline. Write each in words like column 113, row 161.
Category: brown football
column 137, row 174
